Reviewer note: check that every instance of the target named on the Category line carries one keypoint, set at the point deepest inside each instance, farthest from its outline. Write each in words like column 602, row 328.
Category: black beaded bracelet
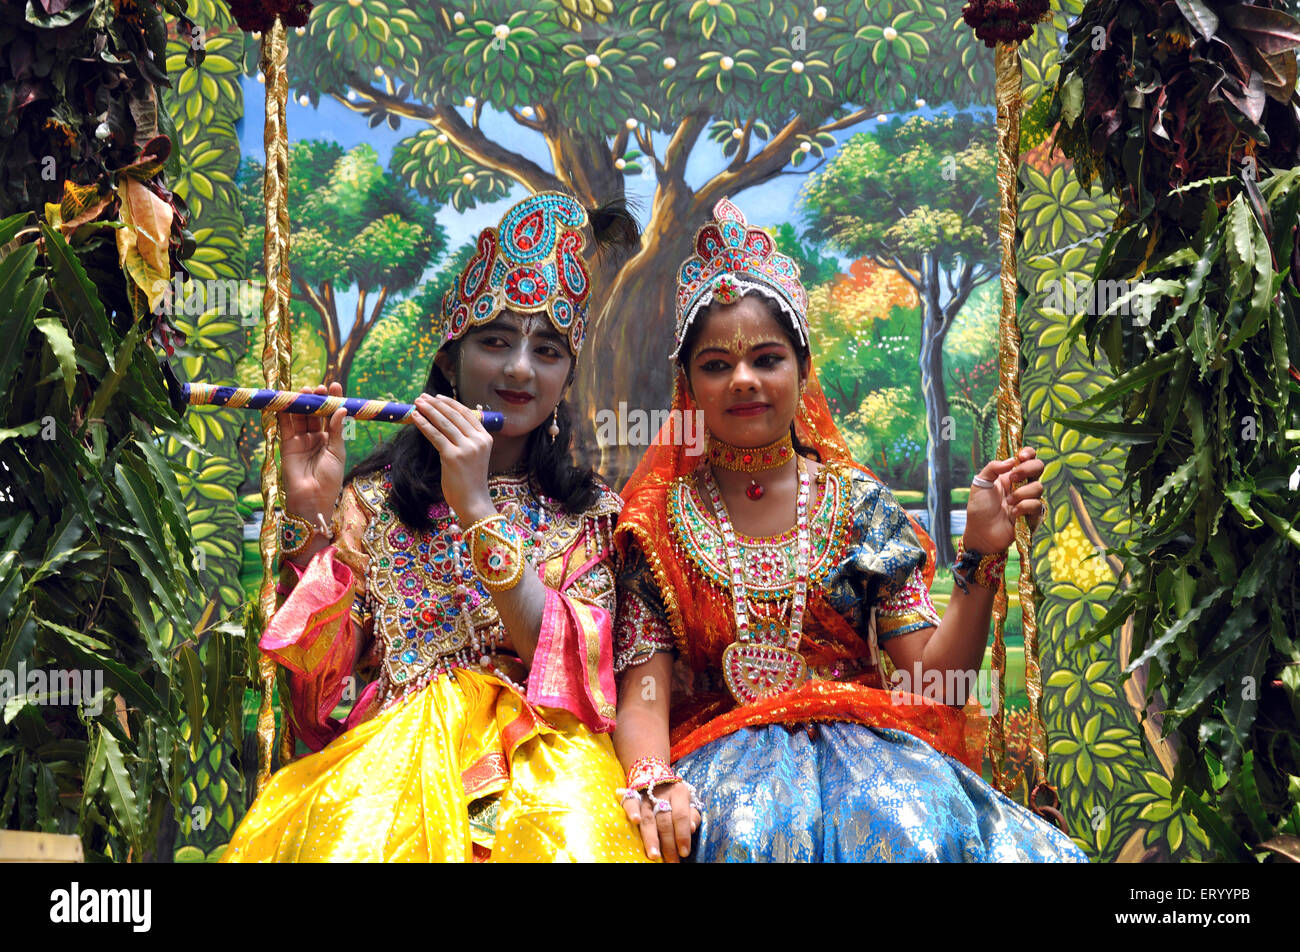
column 972, row 566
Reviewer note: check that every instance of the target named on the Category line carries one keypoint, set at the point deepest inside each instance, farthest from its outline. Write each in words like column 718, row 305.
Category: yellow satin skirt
column 460, row 762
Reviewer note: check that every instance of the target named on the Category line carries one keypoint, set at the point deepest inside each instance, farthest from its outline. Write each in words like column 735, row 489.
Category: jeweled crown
column 530, row 263
column 732, row 257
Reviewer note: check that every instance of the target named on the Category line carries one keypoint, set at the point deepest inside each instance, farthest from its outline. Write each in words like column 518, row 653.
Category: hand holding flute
column 313, row 460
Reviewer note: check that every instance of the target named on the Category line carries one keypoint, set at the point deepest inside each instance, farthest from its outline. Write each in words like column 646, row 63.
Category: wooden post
column 19, row 846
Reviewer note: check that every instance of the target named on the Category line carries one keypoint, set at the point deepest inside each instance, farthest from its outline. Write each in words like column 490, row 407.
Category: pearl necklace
column 764, row 660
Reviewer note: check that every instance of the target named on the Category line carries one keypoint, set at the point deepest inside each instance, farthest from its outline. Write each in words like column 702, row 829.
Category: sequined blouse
column 405, row 607
column 866, row 567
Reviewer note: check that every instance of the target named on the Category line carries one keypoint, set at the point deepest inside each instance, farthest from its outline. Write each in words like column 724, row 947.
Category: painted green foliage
column 354, row 226
column 205, row 103
column 1114, row 790
column 1203, row 344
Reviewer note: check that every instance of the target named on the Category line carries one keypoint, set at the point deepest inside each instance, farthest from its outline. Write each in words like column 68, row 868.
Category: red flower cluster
column 256, row 16
column 1004, row 21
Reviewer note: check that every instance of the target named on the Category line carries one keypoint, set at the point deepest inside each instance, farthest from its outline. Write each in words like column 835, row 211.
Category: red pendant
column 754, row 490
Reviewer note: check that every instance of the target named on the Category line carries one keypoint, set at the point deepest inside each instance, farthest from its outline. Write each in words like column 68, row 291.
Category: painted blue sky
column 769, row 204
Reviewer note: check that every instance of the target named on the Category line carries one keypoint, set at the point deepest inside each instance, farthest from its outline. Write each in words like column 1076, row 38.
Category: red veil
column 667, row 458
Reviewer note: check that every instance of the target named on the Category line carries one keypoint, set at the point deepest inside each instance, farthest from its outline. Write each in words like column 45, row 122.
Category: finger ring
column 663, row 806
column 696, row 802
column 625, row 793
column 981, row 482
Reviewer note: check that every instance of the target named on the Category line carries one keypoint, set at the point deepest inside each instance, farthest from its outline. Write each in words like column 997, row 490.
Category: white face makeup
column 530, row 324
column 518, row 365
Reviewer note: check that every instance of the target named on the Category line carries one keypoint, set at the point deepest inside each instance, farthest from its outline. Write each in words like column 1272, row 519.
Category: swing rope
column 1011, row 433
column 275, row 369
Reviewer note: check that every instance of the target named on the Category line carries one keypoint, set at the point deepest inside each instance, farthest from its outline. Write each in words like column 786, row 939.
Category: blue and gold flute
column 312, row 404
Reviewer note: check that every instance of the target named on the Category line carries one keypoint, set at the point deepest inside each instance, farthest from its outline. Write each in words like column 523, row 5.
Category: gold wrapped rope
column 275, row 358
column 1011, row 429
column 284, row 291
column 1008, row 59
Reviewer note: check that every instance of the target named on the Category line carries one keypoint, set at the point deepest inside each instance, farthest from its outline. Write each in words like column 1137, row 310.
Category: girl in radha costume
column 471, row 576
column 773, row 569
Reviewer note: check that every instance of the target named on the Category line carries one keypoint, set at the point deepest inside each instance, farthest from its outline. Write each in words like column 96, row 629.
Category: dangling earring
column 554, row 428
column 454, row 395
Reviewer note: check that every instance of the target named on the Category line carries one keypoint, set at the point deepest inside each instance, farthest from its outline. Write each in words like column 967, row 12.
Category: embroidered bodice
column 410, row 600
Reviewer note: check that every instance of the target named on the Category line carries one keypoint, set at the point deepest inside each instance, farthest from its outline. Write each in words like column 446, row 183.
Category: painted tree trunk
column 938, row 425
column 626, row 356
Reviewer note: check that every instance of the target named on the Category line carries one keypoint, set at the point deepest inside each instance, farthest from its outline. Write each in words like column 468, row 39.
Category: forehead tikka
column 741, row 342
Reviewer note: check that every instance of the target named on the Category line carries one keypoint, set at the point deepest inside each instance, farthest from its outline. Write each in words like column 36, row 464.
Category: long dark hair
column 801, row 350
column 416, row 468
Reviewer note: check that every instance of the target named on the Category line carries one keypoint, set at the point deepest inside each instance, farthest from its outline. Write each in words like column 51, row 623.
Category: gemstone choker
column 743, row 459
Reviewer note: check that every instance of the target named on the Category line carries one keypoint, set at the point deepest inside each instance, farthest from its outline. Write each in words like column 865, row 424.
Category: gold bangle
column 496, row 554
column 296, row 533
column 649, row 772
column 972, row 566
column 495, row 517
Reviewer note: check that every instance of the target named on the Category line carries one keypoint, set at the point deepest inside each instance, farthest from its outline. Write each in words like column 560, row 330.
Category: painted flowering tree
column 918, row 197
column 609, row 88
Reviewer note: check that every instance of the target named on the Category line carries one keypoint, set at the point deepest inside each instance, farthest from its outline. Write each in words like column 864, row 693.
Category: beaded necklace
column 764, row 659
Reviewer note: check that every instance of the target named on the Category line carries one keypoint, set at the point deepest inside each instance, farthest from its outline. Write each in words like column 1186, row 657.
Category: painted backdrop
column 861, row 134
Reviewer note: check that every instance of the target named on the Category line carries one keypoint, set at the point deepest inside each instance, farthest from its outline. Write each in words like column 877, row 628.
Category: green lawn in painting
column 914, row 498
column 250, row 573
column 941, row 592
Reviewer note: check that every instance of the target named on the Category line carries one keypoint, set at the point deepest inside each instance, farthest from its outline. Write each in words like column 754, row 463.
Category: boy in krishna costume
column 470, row 575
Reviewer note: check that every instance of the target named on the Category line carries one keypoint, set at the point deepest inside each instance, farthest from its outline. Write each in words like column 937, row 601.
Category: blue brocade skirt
column 855, row 794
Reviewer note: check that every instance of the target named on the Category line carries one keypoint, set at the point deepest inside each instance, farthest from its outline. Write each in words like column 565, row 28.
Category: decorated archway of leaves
column 205, row 103
column 1114, row 781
